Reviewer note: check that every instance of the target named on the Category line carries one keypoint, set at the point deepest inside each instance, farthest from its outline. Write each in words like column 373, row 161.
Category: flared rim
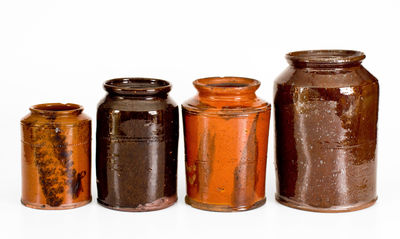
column 56, row 108
column 226, row 85
column 137, row 86
column 325, row 57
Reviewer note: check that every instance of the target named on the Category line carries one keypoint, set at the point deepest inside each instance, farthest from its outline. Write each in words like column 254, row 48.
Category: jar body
column 225, row 149
column 137, row 140
column 56, row 153
column 326, row 129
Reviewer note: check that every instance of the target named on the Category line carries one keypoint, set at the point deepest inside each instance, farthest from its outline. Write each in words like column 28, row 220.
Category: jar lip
column 227, row 84
column 56, row 108
column 137, row 86
column 325, row 57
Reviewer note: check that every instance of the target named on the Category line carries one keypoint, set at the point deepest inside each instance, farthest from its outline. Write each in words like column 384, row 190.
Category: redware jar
column 226, row 138
column 137, row 144
column 326, row 111
column 56, row 153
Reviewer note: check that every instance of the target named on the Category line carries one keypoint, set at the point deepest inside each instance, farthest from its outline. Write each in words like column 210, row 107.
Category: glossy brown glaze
column 137, row 140
column 56, row 152
column 226, row 138
column 326, row 111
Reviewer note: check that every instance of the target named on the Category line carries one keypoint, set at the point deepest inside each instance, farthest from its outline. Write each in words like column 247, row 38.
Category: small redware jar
column 326, row 112
column 226, row 138
column 56, row 152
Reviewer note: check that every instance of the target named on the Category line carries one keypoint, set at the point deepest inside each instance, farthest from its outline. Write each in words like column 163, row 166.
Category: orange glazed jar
column 226, row 138
column 56, row 142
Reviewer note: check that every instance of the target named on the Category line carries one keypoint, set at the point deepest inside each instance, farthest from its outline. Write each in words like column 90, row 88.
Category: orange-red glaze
column 56, row 157
column 226, row 138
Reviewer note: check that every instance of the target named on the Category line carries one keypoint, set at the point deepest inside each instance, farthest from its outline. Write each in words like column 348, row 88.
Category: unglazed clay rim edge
column 222, row 208
column 62, row 207
column 289, row 203
column 126, row 209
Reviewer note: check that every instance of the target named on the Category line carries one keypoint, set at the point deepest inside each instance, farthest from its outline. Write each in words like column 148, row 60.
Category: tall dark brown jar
column 326, row 111
column 56, row 143
column 137, row 140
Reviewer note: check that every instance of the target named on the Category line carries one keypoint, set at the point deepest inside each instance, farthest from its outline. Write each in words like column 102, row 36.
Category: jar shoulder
column 325, row 78
column 67, row 120
column 345, row 86
column 198, row 105
column 132, row 104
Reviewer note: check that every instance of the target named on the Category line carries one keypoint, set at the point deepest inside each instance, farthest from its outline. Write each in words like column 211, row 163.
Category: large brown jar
column 326, row 111
column 137, row 140
column 56, row 143
column 226, row 138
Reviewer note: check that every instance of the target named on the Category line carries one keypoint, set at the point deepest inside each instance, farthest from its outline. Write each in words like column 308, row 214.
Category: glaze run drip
column 226, row 141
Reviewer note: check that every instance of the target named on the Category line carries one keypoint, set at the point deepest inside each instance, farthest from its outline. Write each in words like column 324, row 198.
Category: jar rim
column 56, row 108
column 227, row 84
column 137, row 86
column 325, row 57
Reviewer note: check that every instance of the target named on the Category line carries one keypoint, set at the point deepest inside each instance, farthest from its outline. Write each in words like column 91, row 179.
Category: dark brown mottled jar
column 326, row 111
column 226, row 139
column 56, row 151
column 137, row 140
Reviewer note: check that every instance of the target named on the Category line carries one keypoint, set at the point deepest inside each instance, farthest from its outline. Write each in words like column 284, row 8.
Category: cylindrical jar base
column 334, row 209
column 222, row 208
column 154, row 206
column 62, row 207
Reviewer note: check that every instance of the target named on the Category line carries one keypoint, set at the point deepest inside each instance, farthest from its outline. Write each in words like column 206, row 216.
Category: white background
column 62, row 51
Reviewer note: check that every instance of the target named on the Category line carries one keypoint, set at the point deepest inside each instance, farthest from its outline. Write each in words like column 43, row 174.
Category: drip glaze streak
column 326, row 108
column 56, row 155
column 226, row 137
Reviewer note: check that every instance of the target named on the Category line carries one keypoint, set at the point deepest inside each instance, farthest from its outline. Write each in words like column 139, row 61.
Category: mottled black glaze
column 137, row 140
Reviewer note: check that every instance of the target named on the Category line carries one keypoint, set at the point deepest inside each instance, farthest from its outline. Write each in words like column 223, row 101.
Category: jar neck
column 56, row 109
column 137, row 87
column 227, row 88
column 325, row 59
